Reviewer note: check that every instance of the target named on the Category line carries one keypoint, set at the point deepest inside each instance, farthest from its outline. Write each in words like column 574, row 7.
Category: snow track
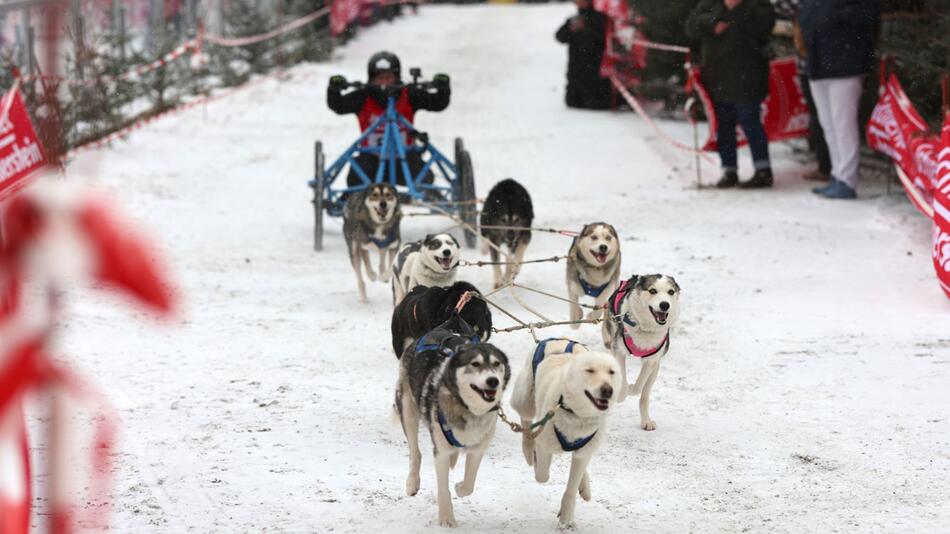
column 805, row 389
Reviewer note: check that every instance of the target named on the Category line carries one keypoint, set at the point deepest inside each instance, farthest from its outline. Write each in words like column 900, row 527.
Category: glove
column 337, row 81
column 441, row 79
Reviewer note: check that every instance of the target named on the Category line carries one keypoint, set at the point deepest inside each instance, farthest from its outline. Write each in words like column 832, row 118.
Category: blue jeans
column 749, row 116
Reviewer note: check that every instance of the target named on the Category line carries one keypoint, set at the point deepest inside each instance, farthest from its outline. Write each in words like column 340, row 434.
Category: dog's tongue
column 444, row 262
column 489, row 394
column 661, row 316
column 600, row 257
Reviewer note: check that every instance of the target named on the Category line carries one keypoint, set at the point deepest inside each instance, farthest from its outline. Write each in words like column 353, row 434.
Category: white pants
column 836, row 100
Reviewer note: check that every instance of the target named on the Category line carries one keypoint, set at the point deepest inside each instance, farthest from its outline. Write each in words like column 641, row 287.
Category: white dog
column 430, row 262
column 649, row 306
column 579, row 386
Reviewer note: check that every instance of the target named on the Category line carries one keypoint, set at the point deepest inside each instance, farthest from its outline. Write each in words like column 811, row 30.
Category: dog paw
column 584, row 491
column 463, row 491
column 648, row 425
column 385, row 278
column 371, row 275
column 566, row 521
column 449, row 522
column 363, row 299
column 412, row 485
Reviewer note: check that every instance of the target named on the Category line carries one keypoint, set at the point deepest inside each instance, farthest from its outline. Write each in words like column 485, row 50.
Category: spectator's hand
column 731, row 4
column 721, row 28
column 442, row 80
column 337, row 82
column 577, row 24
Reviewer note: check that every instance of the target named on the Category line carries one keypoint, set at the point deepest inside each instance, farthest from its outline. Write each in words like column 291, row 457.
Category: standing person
column 585, row 34
column 733, row 36
column 839, row 41
column 788, row 9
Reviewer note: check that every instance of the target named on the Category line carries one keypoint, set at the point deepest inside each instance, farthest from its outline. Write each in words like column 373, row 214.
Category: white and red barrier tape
column 252, row 39
column 656, row 128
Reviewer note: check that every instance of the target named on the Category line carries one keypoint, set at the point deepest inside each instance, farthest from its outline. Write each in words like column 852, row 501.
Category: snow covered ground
column 803, row 390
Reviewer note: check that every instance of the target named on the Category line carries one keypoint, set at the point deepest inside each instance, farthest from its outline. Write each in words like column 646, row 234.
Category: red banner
column 784, row 110
column 20, row 150
column 897, row 130
column 941, row 209
column 342, row 14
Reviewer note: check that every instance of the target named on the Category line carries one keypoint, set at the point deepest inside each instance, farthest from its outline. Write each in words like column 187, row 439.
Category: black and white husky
column 430, row 262
column 593, row 267
column 371, row 221
column 454, row 384
column 649, row 307
column 508, row 205
column 580, row 386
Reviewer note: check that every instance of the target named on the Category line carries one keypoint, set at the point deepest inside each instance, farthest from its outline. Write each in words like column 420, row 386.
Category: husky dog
column 454, row 384
column 508, row 204
column 424, row 308
column 593, row 267
column 580, row 387
column 649, row 306
column 371, row 220
column 430, row 262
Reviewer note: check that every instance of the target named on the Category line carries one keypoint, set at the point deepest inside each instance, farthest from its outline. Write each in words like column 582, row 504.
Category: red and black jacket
column 369, row 104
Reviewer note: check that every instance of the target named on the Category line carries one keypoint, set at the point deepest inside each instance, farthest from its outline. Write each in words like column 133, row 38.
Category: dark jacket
column 839, row 36
column 419, row 98
column 735, row 64
column 585, row 46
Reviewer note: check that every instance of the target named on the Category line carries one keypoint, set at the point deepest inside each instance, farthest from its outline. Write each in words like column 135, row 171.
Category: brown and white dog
column 593, row 267
column 371, row 221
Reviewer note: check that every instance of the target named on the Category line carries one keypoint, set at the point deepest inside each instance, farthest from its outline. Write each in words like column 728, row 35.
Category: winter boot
column 729, row 179
column 761, row 178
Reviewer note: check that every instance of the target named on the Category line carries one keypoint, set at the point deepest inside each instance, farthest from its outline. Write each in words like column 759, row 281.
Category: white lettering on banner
column 883, row 115
column 797, row 122
column 941, row 250
column 20, row 159
column 5, row 125
column 926, row 164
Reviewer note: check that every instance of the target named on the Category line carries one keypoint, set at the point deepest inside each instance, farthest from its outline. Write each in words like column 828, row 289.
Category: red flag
column 21, row 153
column 941, row 210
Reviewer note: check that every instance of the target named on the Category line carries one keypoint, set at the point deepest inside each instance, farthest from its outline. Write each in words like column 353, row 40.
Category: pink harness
column 615, row 300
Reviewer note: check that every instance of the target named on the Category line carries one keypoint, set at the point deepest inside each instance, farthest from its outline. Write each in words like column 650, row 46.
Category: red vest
column 372, row 110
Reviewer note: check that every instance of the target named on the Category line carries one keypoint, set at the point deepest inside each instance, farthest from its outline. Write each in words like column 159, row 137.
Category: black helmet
column 382, row 62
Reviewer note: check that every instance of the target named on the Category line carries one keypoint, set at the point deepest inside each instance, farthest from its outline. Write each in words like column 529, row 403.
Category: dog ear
column 676, row 287
column 456, row 241
column 613, row 231
column 425, row 240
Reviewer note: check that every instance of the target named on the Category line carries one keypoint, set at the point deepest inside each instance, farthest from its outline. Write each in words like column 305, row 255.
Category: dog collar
column 571, row 446
column 638, row 352
column 447, row 432
column 539, row 351
column 591, row 290
column 384, row 243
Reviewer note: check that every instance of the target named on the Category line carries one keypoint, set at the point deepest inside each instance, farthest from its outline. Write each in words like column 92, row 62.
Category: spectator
column 585, row 34
column 733, row 36
column 788, row 9
column 839, row 41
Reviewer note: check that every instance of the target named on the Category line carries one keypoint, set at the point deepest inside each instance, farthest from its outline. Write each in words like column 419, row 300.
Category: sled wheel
column 468, row 210
column 318, row 197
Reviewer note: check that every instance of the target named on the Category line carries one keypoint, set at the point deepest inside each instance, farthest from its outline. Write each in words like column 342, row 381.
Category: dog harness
column 539, row 352
column 427, row 343
column 590, row 290
column 383, row 243
column 566, row 445
column 615, row 301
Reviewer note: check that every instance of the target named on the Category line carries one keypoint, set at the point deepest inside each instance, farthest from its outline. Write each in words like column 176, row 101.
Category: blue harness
column 383, row 243
column 589, row 290
column 566, row 445
column 423, row 346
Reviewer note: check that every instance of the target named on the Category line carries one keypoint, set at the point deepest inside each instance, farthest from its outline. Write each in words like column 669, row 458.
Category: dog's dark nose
column 664, row 306
column 446, row 253
column 382, row 205
column 606, row 391
column 603, row 249
column 510, row 236
column 492, row 382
